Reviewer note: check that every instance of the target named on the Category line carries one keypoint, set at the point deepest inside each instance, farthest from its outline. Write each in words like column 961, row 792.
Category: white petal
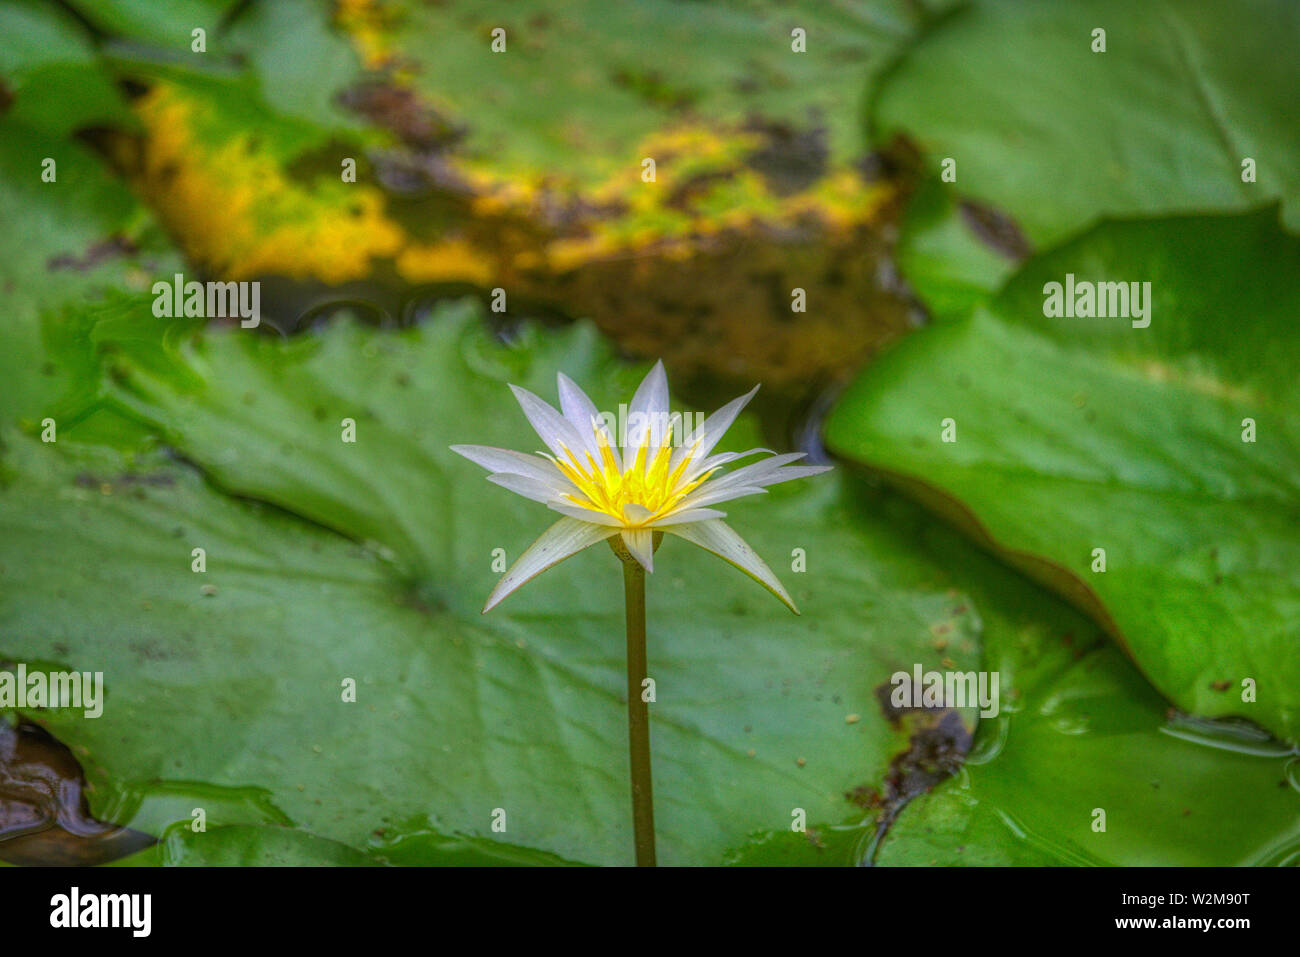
column 636, row 513
column 585, row 514
column 768, row 472
column 729, row 478
column 581, row 413
column 687, row 515
column 554, row 429
column 708, row 494
column 717, row 537
column 640, row 542
column 543, row 492
column 748, row 473
column 512, row 463
column 712, row 429
column 722, row 458
column 566, row 537
column 649, row 405
column 652, row 394
column 700, row 466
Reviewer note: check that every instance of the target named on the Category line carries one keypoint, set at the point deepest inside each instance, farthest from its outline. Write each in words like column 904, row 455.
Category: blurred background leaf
column 1057, row 136
column 479, row 170
column 73, row 230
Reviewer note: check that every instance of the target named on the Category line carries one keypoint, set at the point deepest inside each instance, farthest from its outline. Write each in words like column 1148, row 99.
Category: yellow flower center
column 645, row 481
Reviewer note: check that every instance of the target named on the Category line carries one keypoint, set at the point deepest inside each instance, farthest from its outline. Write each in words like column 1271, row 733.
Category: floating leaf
column 1090, row 769
column 1078, row 434
column 1056, row 135
column 496, row 171
column 224, row 688
column 74, row 231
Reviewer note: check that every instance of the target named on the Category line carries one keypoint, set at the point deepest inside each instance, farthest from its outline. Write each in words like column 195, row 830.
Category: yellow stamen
column 606, row 488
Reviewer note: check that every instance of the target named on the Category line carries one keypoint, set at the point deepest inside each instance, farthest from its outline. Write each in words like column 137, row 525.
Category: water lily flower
column 637, row 491
column 631, row 492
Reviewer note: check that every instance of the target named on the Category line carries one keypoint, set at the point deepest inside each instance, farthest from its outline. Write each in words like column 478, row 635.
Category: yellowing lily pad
column 498, row 171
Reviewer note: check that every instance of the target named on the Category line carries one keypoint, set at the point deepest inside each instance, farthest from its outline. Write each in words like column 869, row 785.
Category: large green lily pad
column 1057, row 135
column 1089, row 736
column 1079, row 730
column 224, row 688
column 1081, row 434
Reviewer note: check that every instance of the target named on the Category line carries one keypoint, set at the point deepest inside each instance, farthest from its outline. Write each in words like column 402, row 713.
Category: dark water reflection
column 44, row 816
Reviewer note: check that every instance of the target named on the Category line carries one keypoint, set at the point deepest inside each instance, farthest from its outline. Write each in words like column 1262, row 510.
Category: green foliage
column 457, row 713
column 1057, row 136
column 329, row 560
column 1129, row 440
column 644, row 66
column 1089, row 735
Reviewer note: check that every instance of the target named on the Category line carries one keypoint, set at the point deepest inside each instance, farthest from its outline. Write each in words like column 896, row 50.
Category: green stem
column 638, row 715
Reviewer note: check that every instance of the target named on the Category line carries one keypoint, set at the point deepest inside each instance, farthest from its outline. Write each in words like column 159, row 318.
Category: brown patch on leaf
column 401, row 111
column 720, row 317
column 936, row 749
column 653, row 87
column 866, row 797
column 100, row 252
column 790, row 159
column 996, row 229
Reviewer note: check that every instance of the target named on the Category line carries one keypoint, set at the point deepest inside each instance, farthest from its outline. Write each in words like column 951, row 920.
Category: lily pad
column 76, row 231
column 53, row 82
column 1081, row 731
column 1057, row 135
column 169, row 24
column 643, row 67
column 225, row 688
column 492, row 170
column 953, row 254
column 1174, row 448
column 1091, row 769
